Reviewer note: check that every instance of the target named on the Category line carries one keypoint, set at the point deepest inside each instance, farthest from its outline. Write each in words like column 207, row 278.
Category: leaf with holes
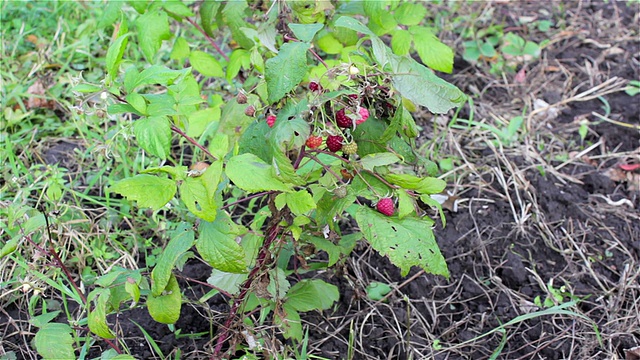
column 407, row 242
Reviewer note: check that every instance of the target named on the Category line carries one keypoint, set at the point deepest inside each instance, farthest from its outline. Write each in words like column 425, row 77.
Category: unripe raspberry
column 314, row 142
column 350, row 148
column 241, row 98
column 386, row 206
column 271, row 119
column 340, row 191
column 250, row 111
column 334, row 142
column 353, row 70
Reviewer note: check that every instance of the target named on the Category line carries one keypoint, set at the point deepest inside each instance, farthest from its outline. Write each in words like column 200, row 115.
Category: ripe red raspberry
column 364, row 115
column 314, row 141
column 334, row 142
column 350, row 148
column 342, row 120
column 386, row 207
column 271, row 119
column 314, row 86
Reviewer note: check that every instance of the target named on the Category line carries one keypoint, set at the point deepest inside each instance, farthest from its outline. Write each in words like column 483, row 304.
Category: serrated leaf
column 132, row 288
column 353, row 24
column 206, row 64
column 177, row 9
column 97, row 319
column 332, row 250
column 407, row 242
column 401, row 42
column 198, row 193
column 154, row 135
column 226, row 281
column 182, row 239
column 426, row 185
column 377, row 290
column 240, row 58
column 155, row 74
column 177, row 172
column 137, row 102
column 299, row 202
column 165, row 308
column 286, row 70
column 54, row 341
column 370, row 161
column 309, row 295
column 149, row 191
column 305, row 32
column 429, row 200
column 253, row 141
column 288, row 319
column 250, row 173
column 208, row 15
column 410, row 14
column 153, row 28
column 284, row 170
column 114, row 55
column 233, row 15
column 217, row 244
column 423, row 87
column 431, row 50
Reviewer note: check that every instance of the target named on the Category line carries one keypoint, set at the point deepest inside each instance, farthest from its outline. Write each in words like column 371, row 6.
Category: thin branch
column 209, row 38
column 192, row 141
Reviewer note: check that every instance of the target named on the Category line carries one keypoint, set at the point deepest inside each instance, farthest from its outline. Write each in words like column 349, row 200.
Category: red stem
column 261, row 261
column 213, row 43
column 192, row 141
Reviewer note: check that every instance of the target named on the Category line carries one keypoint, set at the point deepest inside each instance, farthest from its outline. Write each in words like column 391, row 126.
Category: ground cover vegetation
column 315, row 179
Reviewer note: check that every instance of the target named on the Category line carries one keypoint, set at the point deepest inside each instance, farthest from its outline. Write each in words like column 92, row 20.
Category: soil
column 511, row 243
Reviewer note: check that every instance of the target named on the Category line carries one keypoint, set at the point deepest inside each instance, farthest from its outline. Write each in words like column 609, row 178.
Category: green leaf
column 114, row 55
column 177, row 172
column 182, row 239
column 250, row 173
column 407, row 242
column 206, row 64
column 54, row 341
column 137, row 102
column 233, row 15
column 427, row 185
column 43, row 319
column 309, row 295
column 153, row 27
column 431, row 50
column 155, row 74
column 111, row 14
column 177, row 9
column 97, row 319
column 377, row 290
column 286, row 70
column 410, row 14
column 217, row 244
column 154, row 135
column 240, row 58
column 165, row 308
column 406, row 204
column 353, row 24
column 329, row 44
column 284, row 170
column 378, row 159
column 201, row 119
column 305, row 32
column 180, row 49
column 332, row 250
column 226, row 281
column 198, row 193
column 299, row 202
column 253, row 141
column 288, row 319
column 208, row 15
column 401, row 42
column 421, row 86
column 149, row 191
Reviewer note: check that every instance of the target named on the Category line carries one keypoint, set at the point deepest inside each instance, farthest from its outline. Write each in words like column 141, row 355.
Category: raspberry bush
column 262, row 148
